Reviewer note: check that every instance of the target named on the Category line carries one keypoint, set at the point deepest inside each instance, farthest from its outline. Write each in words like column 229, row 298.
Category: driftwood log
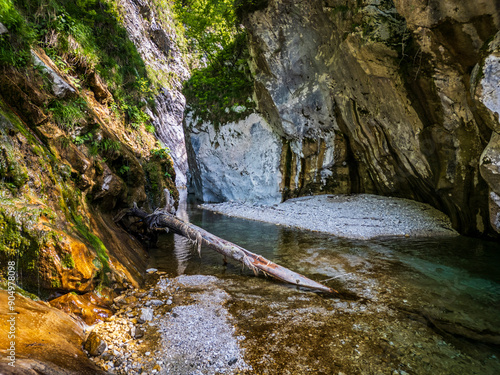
column 162, row 219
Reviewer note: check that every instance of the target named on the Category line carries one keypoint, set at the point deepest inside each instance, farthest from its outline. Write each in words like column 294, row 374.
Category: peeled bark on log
column 163, row 219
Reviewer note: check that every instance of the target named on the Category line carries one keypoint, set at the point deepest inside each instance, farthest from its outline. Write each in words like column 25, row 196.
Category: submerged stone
column 95, row 345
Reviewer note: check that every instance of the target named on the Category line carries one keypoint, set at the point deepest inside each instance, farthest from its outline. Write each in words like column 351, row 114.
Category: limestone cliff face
column 394, row 98
column 158, row 48
column 240, row 161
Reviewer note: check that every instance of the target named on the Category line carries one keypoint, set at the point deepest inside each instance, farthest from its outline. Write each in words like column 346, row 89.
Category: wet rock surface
column 360, row 216
column 176, row 326
column 90, row 307
column 246, row 325
column 47, row 340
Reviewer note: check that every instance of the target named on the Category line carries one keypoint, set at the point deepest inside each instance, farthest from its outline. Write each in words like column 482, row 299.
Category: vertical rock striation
column 487, row 92
column 155, row 37
column 395, row 98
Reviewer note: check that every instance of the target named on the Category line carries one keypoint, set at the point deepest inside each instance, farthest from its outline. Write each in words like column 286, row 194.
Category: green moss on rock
column 67, row 261
column 22, row 237
column 160, row 175
column 96, row 243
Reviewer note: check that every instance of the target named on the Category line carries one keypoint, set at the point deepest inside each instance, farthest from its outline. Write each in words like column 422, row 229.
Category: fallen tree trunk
column 163, row 219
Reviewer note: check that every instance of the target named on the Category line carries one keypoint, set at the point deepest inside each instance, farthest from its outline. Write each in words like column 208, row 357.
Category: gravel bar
column 175, row 327
column 357, row 216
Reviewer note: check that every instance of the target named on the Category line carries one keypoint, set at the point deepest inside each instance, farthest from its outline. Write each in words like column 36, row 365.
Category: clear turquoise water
column 427, row 306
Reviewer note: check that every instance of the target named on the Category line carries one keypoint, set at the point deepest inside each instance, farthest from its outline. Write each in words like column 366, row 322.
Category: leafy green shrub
column 97, row 146
column 209, row 25
column 81, row 139
column 161, row 153
column 222, row 91
column 219, row 91
column 123, row 170
column 103, row 146
column 137, row 116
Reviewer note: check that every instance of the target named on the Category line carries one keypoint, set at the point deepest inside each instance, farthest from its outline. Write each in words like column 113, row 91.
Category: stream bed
column 407, row 306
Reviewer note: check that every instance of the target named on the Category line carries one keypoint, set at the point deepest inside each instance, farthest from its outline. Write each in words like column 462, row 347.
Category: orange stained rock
column 76, row 274
column 89, row 307
column 44, row 336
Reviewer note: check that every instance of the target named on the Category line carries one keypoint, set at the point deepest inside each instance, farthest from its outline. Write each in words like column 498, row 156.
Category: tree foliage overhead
column 210, row 25
column 220, row 89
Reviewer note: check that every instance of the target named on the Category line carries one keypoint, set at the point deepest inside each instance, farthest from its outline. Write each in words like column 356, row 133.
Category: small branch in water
column 336, row 277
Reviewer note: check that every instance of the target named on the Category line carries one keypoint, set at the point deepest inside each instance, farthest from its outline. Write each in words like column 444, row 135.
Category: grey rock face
column 490, row 170
column 167, row 119
column 392, row 98
column 3, row 29
column 491, row 83
column 487, row 92
column 239, row 161
column 158, row 50
column 60, row 87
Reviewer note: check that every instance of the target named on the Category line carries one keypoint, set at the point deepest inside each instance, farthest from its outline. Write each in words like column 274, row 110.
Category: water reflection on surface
column 427, row 306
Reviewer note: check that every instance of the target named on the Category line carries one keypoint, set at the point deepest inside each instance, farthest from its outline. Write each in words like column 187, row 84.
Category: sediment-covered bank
column 360, row 216
column 175, row 326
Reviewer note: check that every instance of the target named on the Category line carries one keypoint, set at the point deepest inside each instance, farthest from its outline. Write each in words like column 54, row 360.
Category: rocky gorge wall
column 90, row 124
column 74, row 152
column 393, row 98
column 157, row 44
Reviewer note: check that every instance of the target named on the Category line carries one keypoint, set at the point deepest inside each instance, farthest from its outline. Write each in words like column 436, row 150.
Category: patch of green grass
column 84, row 35
column 14, row 44
column 68, row 113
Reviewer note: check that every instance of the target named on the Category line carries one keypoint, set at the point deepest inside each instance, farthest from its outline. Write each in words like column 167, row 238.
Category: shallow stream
column 408, row 306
